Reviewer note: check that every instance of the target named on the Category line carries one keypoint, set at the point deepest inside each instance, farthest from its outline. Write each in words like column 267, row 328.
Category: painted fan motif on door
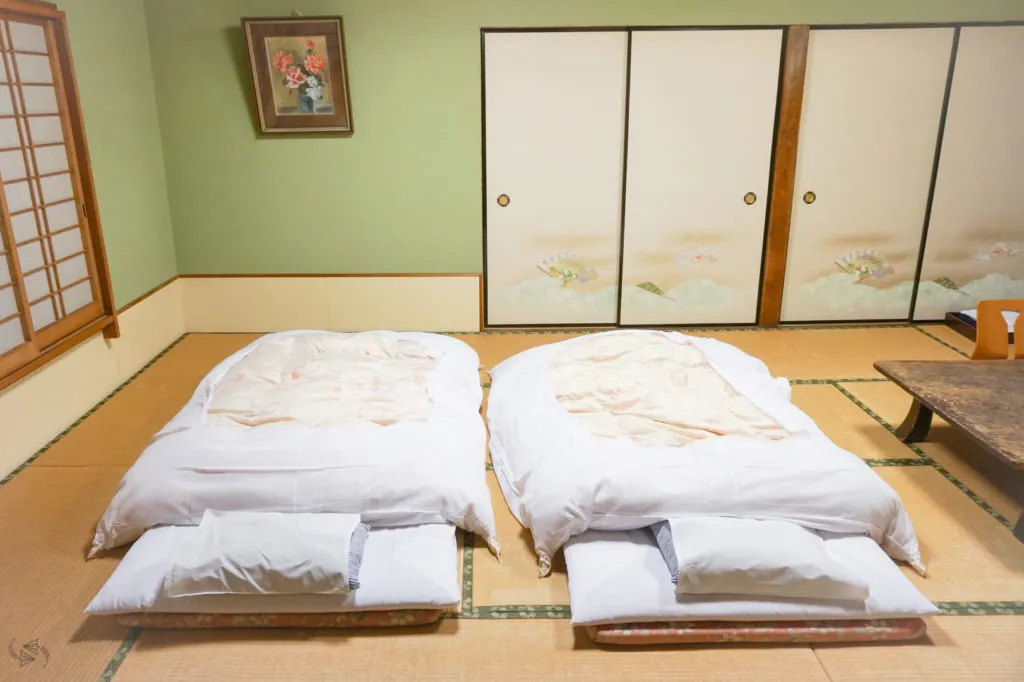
column 947, row 283
column 568, row 267
column 866, row 264
column 651, row 287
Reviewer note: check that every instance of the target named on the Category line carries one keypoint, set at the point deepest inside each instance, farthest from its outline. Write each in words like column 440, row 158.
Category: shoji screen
column 53, row 281
column 701, row 118
column 555, row 110
column 872, row 104
column 975, row 241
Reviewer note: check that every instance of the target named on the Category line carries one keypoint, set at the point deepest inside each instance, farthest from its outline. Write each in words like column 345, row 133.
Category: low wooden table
column 984, row 398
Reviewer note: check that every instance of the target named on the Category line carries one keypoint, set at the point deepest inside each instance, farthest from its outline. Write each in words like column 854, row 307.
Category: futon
column 380, row 428
column 965, row 322
column 620, row 590
column 1008, row 315
column 598, row 438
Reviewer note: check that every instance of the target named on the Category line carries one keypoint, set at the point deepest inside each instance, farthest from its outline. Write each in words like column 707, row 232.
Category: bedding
column 381, row 424
column 621, row 577
column 413, row 567
column 718, row 555
column 256, row 553
column 1009, row 315
column 743, row 449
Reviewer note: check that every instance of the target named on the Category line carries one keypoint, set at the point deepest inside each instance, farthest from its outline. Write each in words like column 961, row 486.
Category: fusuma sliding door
column 701, row 118
column 975, row 241
column 555, row 115
column 871, row 111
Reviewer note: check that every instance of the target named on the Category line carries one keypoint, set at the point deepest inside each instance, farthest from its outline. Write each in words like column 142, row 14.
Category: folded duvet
column 381, row 424
column 620, row 430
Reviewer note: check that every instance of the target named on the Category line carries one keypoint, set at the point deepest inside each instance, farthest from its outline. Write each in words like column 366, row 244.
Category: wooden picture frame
column 299, row 74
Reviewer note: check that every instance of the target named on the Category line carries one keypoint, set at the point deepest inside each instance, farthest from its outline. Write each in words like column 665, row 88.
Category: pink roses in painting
column 305, row 77
column 298, row 74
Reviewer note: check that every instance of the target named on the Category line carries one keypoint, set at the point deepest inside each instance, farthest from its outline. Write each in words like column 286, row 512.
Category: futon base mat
column 749, row 632
column 354, row 619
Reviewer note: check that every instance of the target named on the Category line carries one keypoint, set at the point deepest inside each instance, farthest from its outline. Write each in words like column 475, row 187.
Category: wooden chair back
column 992, row 342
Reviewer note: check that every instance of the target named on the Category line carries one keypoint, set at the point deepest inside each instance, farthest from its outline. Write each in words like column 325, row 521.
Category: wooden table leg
column 1018, row 531
column 916, row 425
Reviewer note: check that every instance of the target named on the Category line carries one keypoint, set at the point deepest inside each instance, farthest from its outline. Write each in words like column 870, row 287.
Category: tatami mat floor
column 512, row 625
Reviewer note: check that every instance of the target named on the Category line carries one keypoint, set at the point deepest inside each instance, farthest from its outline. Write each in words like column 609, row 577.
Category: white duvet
column 729, row 443
column 381, row 424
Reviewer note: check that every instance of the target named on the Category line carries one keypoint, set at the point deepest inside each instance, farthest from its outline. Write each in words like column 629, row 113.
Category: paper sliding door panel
column 701, row 119
column 975, row 242
column 871, row 111
column 555, row 116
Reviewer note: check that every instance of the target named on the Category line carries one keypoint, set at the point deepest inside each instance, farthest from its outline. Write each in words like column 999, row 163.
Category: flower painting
column 302, row 84
column 299, row 74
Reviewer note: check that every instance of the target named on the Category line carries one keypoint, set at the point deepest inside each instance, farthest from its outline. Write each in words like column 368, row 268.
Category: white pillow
column 268, row 553
column 719, row 555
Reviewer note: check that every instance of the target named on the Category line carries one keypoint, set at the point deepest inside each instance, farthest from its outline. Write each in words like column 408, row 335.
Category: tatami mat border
column 824, row 326
column 467, row 572
column 898, row 462
column 947, row 345
column 562, row 611
column 818, row 382
column 21, row 467
column 801, row 382
column 122, row 652
column 989, row 509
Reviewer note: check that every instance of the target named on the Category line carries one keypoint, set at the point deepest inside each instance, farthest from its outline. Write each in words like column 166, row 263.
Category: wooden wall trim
column 787, row 135
column 146, row 295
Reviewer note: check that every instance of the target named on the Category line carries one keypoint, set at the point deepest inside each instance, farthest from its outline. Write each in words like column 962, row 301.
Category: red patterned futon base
column 357, row 619
column 722, row 632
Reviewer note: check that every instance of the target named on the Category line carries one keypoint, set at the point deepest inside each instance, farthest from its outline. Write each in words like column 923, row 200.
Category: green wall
column 402, row 194
column 115, row 82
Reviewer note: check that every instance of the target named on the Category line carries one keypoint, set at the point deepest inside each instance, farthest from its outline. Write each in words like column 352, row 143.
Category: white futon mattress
column 402, row 568
column 621, row 577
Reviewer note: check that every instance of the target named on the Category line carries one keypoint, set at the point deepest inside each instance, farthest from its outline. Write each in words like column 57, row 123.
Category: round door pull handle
column 809, row 197
column 749, row 198
column 503, row 200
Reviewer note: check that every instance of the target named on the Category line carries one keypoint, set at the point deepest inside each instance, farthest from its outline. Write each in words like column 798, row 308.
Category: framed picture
column 299, row 74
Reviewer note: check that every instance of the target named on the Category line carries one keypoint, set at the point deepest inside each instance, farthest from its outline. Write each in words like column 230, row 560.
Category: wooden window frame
column 100, row 315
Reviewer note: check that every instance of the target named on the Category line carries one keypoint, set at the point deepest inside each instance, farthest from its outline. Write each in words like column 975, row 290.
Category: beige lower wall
column 442, row 303
column 46, row 402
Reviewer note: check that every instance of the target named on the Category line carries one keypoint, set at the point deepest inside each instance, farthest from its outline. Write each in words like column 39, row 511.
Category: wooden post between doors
column 787, row 134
